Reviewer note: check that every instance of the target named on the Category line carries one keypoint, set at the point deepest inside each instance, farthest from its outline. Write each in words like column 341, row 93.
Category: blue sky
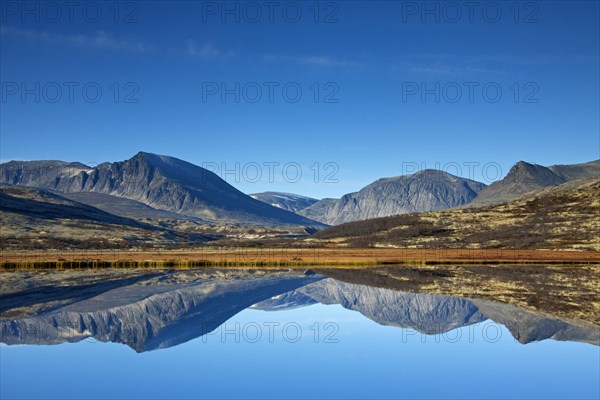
column 362, row 69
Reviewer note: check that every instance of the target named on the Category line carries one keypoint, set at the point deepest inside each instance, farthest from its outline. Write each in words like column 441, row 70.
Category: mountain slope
column 34, row 218
column 427, row 190
column 38, row 203
column 577, row 171
column 563, row 217
column 163, row 312
column 161, row 182
column 321, row 210
column 287, row 201
column 524, row 177
column 124, row 207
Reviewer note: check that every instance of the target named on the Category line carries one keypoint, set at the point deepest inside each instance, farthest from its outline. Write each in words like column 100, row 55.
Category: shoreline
column 289, row 257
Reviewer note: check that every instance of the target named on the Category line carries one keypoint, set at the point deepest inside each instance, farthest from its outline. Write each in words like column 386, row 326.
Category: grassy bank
column 289, row 258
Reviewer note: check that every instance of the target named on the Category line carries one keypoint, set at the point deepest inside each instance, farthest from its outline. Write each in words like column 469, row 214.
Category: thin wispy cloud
column 457, row 64
column 207, row 50
column 320, row 61
column 437, row 68
column 325, row 61
column 508, row 59
column 97, row 40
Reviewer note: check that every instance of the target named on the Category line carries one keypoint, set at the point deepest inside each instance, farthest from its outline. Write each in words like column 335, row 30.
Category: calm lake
column 277, row 334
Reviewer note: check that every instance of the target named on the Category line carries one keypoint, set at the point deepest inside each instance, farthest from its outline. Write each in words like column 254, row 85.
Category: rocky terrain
column 559, row 217
column 427, row 190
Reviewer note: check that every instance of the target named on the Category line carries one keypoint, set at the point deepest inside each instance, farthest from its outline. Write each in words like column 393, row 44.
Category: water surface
column 285, row 334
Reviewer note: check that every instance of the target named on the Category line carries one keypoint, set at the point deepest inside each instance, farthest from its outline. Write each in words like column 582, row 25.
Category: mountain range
column 161, row 310
column 524, row 178
column 155, row 200
column 553, row 218
column 432, row 190
column 160, row 182
column 427, row 190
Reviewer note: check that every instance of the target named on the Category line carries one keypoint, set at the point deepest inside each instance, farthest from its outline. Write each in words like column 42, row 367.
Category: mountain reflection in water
column 162, row 310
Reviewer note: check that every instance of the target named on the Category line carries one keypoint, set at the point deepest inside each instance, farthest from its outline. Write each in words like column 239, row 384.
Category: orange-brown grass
column 300, row 257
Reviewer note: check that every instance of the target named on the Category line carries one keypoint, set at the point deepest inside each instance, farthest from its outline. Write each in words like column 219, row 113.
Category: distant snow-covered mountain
column 287, row 201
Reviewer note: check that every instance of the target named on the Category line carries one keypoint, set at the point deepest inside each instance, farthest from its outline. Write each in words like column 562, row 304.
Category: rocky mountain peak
column 526, row 172
column 161, row 182
column 526, row 177
column 426, row 190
